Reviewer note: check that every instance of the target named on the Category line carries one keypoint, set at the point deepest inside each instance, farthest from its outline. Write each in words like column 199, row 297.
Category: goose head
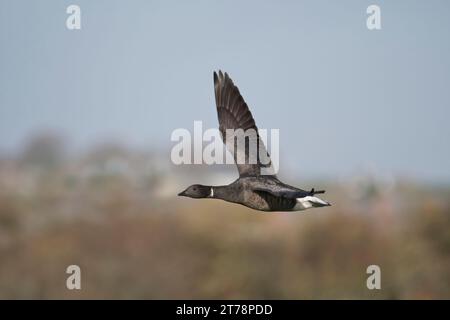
column 197, row 191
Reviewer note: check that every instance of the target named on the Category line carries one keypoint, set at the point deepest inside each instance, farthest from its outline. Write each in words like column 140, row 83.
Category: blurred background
column 86, row 176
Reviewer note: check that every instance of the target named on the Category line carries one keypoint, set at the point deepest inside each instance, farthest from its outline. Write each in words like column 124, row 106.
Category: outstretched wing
column 233, row 113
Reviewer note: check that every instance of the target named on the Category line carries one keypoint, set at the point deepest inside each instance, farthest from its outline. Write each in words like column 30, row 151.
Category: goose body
column 252, row 189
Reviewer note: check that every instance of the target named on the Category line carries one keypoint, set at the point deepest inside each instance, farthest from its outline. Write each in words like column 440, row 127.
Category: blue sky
column 344, row 98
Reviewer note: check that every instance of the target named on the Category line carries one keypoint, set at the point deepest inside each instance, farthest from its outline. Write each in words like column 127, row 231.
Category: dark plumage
column 252, row 188
column 233, row 113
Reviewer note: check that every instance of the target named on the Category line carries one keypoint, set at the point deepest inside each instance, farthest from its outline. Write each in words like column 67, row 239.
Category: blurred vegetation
column 102, row 212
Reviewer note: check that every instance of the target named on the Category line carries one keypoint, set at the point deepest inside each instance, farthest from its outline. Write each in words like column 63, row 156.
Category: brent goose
column 251, row 189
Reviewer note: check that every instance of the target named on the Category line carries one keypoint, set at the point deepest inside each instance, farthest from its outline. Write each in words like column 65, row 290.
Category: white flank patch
column 307, row 202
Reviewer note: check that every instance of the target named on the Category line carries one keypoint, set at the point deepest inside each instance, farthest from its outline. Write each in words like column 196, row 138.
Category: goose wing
column 234, row 114
column 282, row 190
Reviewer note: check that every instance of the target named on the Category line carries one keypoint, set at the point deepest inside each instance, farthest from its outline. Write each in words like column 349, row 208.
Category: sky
column 344, row 98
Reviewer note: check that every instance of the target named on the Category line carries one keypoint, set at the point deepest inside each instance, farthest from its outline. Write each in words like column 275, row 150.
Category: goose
column 253, row 189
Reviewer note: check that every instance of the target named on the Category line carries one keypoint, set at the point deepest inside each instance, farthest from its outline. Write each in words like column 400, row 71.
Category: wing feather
column 233, row 113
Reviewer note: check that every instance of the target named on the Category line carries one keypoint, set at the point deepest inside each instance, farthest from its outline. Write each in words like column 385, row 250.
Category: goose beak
column 181, row 194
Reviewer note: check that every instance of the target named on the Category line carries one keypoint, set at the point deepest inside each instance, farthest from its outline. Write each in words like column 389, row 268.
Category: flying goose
column 252, row 189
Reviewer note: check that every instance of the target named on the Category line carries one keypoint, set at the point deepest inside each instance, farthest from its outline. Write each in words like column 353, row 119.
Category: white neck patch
column 211, row 194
